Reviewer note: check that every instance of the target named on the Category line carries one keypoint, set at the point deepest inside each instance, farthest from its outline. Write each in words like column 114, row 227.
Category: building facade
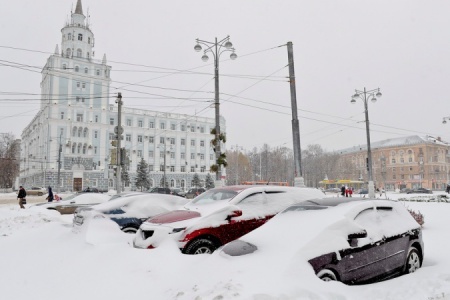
column 75, row 126
column 408, row 162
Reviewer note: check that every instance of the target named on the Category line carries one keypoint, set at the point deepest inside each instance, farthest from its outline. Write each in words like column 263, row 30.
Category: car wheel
column 129, row 230
column 327, row 275
column 40, row 194
column 413, row 261
column 201, row 246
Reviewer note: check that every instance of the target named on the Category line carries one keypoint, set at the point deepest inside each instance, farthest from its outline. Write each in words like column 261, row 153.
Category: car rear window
column 214, row 195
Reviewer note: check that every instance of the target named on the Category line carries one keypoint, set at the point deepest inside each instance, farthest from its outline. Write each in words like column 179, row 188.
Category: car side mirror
column 234, row 214
column 353, row 238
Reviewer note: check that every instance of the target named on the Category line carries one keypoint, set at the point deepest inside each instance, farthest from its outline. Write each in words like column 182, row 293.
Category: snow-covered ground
column 42, row 258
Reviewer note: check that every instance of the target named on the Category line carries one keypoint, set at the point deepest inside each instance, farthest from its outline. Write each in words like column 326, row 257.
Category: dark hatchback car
column 129, row 211
column 420, row 191
column 160, row 190
column 355, row 242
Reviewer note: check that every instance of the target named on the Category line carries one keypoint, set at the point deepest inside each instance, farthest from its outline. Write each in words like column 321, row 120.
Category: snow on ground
column 42, row 258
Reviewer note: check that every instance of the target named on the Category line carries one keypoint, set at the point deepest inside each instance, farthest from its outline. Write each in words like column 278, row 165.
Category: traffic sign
column 117, row 130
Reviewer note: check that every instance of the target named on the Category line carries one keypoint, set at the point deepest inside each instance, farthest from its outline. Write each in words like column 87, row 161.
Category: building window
column 202, row 143
column 183, row 142
column 89, row 40
column 139, row 153
column 192, row 155
column 77, row 69
column 86, row 70
column 161, row 154
column 80, row 37
column 211, row 156
column 192, row 128
column 84, row 149
column 150, row 139
column 111, row 121
column 192, row 142
column 162, row 125
column 393, row 160
column 183, row 155
column 97, row 72
column 128, row 137
column 202, row 156
column 172, row 141
column 128, row 122
column 73, row 148
column 183, row 127
column 68, row 52
column 173, row 126
column 161, row 140
column 79, row 53
column 79, row 118
column 83, row 85
column 95, row 134
column 140, row 123
column 96, row 118
column 62, row 115
column 202, row 169
column 183, row 169
column 151, row 124
column 64, row 66
column 85, row 132
column 139, row 138
column 69, row 36
column 161, row 168
column 172, row 154
column 95, row 150
column 192, row 169
column 202, row 129
column 172, row 169
column 111, row 136
column 151, row 153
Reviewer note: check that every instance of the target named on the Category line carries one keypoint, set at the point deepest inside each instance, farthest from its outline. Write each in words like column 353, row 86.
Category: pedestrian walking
column 50, row 194
column 350, row 192
column 22, row 197
column 346, row 191
column 342, row 190
column 448, row 188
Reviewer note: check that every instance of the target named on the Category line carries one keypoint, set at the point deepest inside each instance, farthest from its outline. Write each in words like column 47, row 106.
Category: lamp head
column 379, row 94
column 233, row 56
column 205, row 57
column 444, row 121
column 198, row 48
column 355, row 96
column 353, row 101
column 228, row 45
column 373, row 100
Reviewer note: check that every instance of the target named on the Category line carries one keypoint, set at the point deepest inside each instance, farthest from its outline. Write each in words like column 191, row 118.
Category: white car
column 219, row 216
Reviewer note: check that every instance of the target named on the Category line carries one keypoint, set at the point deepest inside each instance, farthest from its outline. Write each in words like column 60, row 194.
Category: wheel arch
column 215, row 240
column 417, row 245
column 329, row 270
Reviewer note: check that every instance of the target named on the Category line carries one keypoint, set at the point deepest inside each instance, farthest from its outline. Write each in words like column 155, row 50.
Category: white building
column 76, row 123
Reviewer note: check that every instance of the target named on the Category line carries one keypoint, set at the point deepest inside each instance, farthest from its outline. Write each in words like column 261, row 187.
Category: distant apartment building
column 407, row 162
column 75, row 126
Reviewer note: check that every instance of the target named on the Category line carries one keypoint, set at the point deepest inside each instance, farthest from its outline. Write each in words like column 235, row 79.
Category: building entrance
column 77, row 184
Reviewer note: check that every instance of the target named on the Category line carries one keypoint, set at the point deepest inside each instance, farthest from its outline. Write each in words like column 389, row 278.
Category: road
column 12, row 199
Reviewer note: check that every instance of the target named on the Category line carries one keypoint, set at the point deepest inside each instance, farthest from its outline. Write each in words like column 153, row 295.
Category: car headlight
column 175, row 230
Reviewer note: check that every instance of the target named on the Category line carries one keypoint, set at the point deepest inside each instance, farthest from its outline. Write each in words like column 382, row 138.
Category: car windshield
column 214, row 195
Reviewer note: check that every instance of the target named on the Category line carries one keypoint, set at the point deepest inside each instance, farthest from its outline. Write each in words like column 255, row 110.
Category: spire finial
column 79, row 8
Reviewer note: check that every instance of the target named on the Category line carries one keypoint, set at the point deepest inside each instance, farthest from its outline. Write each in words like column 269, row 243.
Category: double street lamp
column 216, row 48
column 444, row 121
column 365, row 96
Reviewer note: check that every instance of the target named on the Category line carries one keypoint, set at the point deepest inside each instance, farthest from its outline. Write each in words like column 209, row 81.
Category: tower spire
column 79, row 8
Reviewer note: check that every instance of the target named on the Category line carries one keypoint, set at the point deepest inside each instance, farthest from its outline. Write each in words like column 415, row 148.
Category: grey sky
column 402, row 47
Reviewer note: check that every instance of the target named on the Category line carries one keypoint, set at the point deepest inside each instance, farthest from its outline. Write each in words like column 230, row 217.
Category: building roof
column 79, row 8
column 396, row 142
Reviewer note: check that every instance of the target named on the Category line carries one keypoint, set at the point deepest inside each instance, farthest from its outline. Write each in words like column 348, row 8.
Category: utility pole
column 298, row 180
column 59, row 165
column 119, row 133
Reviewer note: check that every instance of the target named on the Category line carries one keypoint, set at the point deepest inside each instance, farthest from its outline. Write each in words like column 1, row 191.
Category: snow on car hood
column 82, row 199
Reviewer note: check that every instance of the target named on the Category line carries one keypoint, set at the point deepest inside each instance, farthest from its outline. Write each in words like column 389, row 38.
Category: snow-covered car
column 70, row 204
column 355, row 242
column 36, row 191
column 219, row 216
column 129, row 211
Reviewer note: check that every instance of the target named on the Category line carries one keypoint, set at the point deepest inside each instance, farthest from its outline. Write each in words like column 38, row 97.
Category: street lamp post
column 364, row 96
column 216, row 48
column 444, row 121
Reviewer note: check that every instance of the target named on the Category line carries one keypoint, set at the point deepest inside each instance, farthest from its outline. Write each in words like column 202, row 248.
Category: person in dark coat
column 343, row 190
column 50, row 194
column 448, row 188
column 21, row 196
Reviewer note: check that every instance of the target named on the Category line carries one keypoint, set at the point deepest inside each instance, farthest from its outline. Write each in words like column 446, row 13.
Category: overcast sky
column 401, row 47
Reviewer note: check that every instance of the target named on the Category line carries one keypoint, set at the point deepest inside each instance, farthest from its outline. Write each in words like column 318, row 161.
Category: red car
column 219, row 216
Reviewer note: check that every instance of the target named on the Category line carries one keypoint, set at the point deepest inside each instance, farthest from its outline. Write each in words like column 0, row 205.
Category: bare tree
column 9, row 159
